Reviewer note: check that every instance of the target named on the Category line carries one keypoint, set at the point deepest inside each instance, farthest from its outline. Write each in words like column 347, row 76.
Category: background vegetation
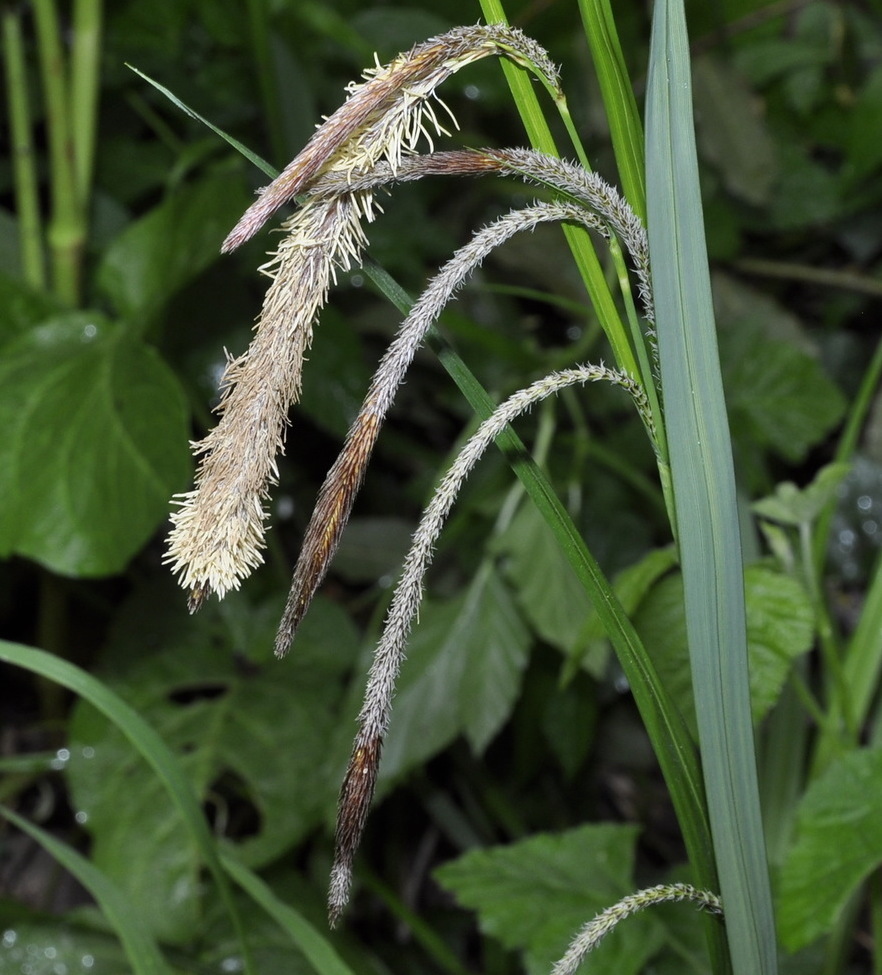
column 517, row 779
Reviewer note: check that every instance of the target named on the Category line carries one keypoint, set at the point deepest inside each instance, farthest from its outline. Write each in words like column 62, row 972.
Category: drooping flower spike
column 373, row 720
column 217, row 533
column 344, row 479
column 385, row 115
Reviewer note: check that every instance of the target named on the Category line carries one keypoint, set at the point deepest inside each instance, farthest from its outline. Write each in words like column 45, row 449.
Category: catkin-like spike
column 384, row 115
column 344, row 478
column 217, row 532
column 563, row 177
column 597, row 929
column 373, row 720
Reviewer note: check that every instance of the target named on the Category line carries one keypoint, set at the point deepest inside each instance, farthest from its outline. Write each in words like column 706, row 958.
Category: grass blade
column 143, row 953
column 317, row 949
column 252, row 157
column 149, row 745
column 704, row 491
column 618, row 99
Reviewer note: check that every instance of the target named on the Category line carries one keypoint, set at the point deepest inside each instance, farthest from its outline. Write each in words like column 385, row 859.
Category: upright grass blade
column 618, row 100
column 704, row 491
column 140, row 947
column 579, row 240
column 151, row 747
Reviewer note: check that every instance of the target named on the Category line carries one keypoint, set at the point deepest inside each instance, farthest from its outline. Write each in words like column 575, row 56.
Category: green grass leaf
column 618, row 99
column 704, row 492
column 150, row 745
column 95, row 434
column 317, row 949
column 125, row 920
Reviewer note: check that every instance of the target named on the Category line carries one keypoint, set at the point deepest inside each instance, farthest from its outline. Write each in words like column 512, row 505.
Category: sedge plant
column 665, row 364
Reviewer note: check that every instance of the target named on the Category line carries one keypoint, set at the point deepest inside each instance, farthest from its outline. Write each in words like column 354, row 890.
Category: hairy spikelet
column 373, row 720
column 385, row 115
column 217, row 533
column 343, row 480
column 597, row 929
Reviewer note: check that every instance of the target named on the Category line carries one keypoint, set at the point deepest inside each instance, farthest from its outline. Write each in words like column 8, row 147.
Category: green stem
column 66, row 231
column 27, row 200
column 84, row 69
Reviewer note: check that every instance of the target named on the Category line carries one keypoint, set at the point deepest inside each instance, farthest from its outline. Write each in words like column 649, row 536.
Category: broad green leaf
column 95, row 442
column 791, row 505
column 780, row 627
column 535, row 895
column 778, row 396
column 255, row 751
column 462, row 675
column 549, row 593
column 865, row 151
column 23, row 308
column 809, row 194
column 731, row 132
column 49, row 945
column 838, row 844
column 157, row 255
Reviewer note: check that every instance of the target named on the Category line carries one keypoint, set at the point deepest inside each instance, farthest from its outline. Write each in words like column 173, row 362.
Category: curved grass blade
column 317, row 949
column 140, row 947
column 252, row 157
column 150, row 746
column 704, row 492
